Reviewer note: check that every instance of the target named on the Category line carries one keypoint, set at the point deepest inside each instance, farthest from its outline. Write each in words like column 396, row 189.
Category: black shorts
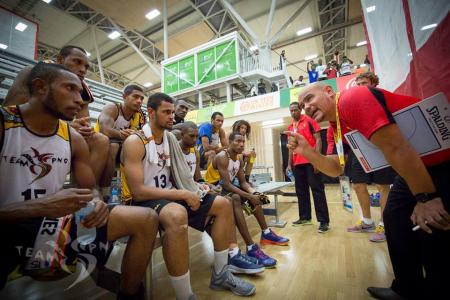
column 358, row 175
column 18, row 241
column 196, row 219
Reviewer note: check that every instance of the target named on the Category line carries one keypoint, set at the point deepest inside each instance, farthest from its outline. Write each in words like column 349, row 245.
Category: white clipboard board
column 425, row 124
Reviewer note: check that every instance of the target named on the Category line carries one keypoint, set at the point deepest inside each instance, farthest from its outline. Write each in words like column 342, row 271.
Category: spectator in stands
column 282, row 59
column 291, row 80
column 299, row 81
column 420, row 194
column 148, row 182
column 320, row 69
column 181, row 109
column 118, row 121
column 382, row 178
column 346, row 66
column 211, row 140
column 261, row 87
column 225, row 166
column 367, row 62
column 35, row 210
column 331, row 70
column 312, row 74
column 75, row 59
column 253, row 91
column 306, row 176
column 249, row 156
column 273, row 87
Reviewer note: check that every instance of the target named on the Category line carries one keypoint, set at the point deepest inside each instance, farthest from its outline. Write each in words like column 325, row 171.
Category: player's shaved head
column 313, row 86
column 317, row 100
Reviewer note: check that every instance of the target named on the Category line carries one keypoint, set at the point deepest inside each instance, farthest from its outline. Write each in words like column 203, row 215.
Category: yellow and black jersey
column 31, row 165
column 136, row 121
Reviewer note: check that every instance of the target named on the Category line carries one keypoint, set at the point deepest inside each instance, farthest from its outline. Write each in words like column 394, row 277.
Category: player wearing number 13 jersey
column 147, row 182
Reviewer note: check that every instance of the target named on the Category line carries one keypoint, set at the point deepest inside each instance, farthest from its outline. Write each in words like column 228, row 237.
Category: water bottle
column 115, row 195
column 252, row 157
column 85, row 235
column 290, row 175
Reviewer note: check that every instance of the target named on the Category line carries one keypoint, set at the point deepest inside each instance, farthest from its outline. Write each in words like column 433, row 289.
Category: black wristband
column 425, row 197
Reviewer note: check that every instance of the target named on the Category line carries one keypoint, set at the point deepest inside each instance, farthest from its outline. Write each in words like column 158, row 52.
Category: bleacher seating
column 11, row 64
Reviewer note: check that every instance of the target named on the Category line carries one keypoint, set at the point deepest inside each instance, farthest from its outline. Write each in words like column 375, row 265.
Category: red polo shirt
column 368, row 109
column 330, row 140
column 307, row 127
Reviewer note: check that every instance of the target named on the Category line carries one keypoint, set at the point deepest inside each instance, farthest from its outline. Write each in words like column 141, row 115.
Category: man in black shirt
column 181, row 109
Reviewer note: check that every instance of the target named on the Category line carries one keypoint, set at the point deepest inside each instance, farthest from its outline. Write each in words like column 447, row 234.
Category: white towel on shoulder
column 152, row 156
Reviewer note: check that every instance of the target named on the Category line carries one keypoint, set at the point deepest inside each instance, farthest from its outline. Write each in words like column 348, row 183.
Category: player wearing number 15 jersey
column 147, row 181
column 37, row 150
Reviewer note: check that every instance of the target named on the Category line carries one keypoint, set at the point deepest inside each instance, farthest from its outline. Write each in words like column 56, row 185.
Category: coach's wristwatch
column 425, row 197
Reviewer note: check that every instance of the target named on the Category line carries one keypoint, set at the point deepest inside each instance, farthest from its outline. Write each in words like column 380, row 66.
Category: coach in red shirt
column 420, row 194
column 305, row 175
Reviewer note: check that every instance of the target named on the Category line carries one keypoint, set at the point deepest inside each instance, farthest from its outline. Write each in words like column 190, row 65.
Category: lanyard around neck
column 338, row 136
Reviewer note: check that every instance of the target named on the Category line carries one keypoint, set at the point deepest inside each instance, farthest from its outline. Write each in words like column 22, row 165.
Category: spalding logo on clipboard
column 425, row 124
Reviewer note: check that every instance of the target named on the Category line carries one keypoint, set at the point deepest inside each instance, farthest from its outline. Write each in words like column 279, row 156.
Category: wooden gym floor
column 335, row 265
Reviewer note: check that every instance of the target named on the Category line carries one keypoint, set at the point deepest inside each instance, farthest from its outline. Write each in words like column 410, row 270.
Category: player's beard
column 49, row 104
column 163, row 125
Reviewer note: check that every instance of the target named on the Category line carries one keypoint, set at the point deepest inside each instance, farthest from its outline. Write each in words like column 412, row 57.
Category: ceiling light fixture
column 21, row 26
column 3, row 46
column 362, row 43
column 371, row 8
column 47, row 1
column 114, row 35
column 428, row 26
column 148, row 84
column 304, row 31
column 152, row 14
column 311, row 56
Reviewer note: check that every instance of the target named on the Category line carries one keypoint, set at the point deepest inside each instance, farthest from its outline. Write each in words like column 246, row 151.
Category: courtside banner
column 426, row 125
column 257, row 104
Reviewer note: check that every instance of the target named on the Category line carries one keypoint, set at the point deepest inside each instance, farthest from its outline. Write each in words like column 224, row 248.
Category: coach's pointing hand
column 298, row 143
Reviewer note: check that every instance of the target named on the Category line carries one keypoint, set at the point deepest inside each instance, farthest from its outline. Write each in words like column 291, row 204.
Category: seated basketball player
column 75, row 59
column 239, row 262
column 39, row 149
column 212, row 139
column 117, row 121
column 224, row 167
column 149, row 183
column 244, row 128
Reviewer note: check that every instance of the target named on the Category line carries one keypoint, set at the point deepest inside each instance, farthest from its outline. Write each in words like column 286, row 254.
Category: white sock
column 250, row 247
column 381, row 223
column 368, row 221
column 182, row 286
column 233, row 252
column 220, row 260
column 266, row 231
